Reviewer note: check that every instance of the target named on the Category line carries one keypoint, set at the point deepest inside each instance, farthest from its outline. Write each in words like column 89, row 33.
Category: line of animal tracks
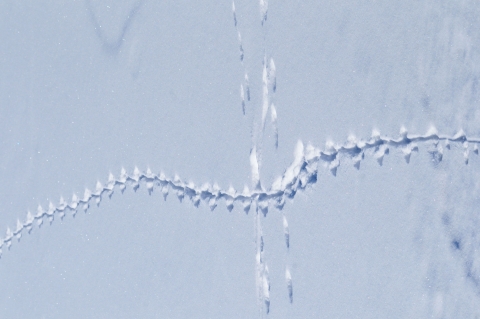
column 301, row 174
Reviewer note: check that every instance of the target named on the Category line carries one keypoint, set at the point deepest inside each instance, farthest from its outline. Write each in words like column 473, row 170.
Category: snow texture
column 378, row 226
column 301, row 174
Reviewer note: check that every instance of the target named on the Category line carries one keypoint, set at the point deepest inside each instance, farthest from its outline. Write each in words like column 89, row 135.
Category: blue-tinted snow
column 108, row 107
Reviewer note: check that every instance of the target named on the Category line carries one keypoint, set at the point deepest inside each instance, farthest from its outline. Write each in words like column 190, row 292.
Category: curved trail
column 300, row 174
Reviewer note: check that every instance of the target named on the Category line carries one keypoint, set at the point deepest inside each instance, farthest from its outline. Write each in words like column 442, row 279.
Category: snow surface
column 142, row 179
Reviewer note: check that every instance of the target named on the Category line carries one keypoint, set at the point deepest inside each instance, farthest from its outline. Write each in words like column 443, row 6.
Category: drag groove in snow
column 112, row 47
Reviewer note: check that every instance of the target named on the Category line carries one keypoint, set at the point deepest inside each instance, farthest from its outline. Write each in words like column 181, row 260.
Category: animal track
column 263, row 10
column 288, row 279
column 298, row 176
column 242, row 55
column 301, row 173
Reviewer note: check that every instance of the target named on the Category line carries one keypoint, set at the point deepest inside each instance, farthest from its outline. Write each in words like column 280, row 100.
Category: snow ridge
column 300, row 174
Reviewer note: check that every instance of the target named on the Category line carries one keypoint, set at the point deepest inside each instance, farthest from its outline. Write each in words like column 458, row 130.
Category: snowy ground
column 372, row 215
